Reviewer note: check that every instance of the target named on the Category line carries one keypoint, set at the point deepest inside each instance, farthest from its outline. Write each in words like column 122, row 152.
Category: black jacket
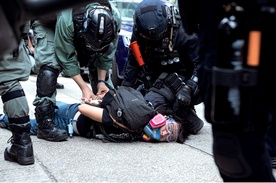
column 184, row 46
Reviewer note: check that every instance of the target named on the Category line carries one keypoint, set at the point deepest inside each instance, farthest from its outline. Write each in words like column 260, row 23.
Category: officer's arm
column 64, row 46
column 131, row 68
column 189, row 48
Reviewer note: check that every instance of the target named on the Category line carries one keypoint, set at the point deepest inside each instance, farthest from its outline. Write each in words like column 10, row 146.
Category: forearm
column 130, row 75
column 80, row 82
column 101, row 74
column 94, row 113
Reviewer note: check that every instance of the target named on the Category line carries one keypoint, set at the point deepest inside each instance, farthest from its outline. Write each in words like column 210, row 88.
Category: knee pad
column 46, row 81
column 229, row 156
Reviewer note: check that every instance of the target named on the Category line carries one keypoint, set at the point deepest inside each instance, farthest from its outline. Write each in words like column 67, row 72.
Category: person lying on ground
column 71, row 114
column 87, row 120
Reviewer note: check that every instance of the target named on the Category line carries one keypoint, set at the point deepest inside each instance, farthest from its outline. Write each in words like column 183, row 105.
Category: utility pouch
column 174, row 82
column 230, row 90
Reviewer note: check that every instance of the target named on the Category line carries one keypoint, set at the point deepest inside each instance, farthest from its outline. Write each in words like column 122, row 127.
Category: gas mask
column 152, row 131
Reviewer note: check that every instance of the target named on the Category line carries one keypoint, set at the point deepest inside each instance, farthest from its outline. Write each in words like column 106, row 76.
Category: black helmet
column 99, row 28
column 151, row 20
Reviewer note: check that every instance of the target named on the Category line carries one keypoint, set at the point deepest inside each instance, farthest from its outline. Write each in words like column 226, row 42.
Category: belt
column 75, row 119
column 77, row 116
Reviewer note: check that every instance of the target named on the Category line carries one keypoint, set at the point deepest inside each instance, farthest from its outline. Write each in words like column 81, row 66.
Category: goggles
column 153, row 129
column 173, row 129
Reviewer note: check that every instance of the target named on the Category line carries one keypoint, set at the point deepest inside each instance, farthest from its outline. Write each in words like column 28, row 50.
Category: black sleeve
column 85, row 126
column 131, row 68
column 106, row 121
column 188, row 47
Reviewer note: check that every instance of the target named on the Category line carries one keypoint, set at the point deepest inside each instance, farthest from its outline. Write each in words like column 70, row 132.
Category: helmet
column 99, row 28
column 151, row 20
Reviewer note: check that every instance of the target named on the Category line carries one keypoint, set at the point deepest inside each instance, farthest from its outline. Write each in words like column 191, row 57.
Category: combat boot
column 46, row 127
column 195, row 124
column 59, row 86
column 21, row 150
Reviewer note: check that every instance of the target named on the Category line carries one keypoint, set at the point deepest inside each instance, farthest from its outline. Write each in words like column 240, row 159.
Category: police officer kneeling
column 165, row 48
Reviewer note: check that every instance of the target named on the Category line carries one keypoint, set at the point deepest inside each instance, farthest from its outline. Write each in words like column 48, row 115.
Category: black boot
column 60, row 86
column 195, row 124
column 46, row 128
column 21, row 150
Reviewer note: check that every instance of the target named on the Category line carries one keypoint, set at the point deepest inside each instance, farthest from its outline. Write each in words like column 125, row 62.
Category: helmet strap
column 172, row 22
column 170, row 46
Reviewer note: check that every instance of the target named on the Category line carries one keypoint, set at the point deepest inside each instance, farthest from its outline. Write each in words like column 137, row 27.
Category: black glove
column 183, row 95
column 193, row 86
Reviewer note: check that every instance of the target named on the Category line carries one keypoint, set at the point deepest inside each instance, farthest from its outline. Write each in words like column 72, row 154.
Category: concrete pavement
column 84, row 160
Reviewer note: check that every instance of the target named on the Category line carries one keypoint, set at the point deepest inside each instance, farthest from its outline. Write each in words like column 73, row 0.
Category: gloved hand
column 193, row 86
column 183, row 95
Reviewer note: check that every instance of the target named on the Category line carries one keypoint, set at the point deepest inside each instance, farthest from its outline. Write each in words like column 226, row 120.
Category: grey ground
column 84, row 160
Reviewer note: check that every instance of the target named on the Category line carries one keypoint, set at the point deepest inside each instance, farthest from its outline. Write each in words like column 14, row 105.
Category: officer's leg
column 48, row 71
column 44, row 111
column 195, row 124
column 17, row 109
column 239, row 141
column 240, row 155
column 270, row 139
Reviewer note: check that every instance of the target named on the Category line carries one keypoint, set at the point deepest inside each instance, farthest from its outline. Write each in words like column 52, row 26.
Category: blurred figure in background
column 237, row 82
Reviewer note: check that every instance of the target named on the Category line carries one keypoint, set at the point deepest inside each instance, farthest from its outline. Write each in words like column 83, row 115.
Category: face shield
column 99, row 28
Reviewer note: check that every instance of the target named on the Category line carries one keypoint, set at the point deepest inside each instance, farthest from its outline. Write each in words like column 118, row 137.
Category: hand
column 87, row 94
column 102, row 90
column 183, row 96
column 91, row 102
column 193, row 86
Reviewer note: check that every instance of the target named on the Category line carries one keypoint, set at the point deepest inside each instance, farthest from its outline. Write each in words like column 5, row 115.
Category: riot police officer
column 165, row 48
column 16, row 67
column 86, row 36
